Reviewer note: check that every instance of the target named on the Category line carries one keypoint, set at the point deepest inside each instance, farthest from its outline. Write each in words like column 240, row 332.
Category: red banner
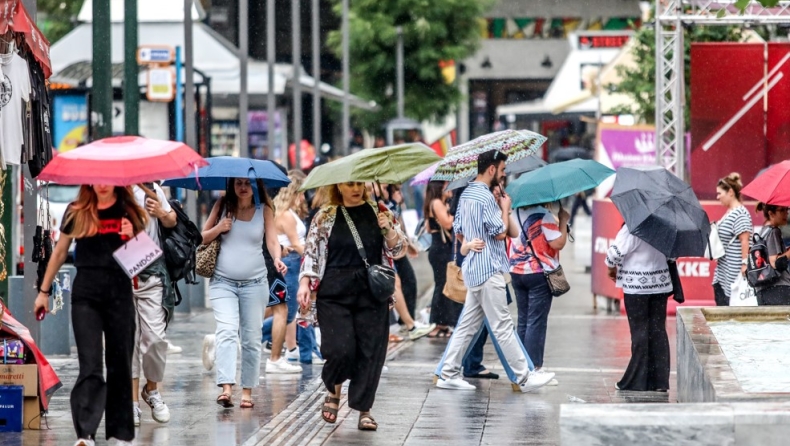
column 696, row 273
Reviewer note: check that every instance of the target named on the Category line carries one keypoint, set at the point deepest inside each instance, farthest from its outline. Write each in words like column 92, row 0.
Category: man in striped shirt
column 480, row 216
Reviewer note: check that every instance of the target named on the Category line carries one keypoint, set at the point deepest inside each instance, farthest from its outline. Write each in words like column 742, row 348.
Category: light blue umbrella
column 220, row 168
column 556, row 181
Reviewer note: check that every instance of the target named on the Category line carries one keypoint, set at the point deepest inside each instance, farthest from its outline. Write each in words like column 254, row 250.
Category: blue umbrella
column 556, row 181
column 220, row 168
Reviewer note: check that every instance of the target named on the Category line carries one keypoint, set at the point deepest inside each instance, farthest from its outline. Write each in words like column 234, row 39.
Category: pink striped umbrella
column 123, row 161
column 424, row 177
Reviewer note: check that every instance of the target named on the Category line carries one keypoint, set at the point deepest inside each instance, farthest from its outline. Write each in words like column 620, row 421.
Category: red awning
column 14, row 16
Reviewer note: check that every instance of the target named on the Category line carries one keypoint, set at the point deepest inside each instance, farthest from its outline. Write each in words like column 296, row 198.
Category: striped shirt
column 733, row 224
column 479, row 217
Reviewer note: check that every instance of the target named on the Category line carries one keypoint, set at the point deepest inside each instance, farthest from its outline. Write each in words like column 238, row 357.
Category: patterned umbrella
column 461, row 161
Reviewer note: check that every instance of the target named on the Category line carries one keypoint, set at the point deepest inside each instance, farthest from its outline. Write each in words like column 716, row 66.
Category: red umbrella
column 123, row 161
column 772, row 186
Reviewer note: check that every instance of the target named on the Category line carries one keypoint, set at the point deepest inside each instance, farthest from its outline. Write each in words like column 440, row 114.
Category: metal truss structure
column 671, row 16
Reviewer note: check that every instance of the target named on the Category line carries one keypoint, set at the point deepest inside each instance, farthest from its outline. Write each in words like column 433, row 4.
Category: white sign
column 137, row 254
column 161, row 85
column 155, row 55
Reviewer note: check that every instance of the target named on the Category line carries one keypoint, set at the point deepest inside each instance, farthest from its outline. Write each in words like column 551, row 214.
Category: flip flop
column 246, row 404
column 224, row 400
column 367, row 423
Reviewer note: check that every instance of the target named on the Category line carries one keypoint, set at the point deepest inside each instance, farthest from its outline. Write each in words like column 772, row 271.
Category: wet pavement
column 587, row 349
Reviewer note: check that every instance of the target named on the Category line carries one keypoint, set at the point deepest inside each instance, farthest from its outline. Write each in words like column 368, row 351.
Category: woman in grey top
column 778, row 293
column 735, row 228
column 239, row 290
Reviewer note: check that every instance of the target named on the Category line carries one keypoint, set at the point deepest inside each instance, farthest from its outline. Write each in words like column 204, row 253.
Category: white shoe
column 208, row 352
column 536, row 380
column 318, row 360
column 419, row 331
column 281, row 367
column 122, row 442
column 159, row 410
column 173, row 349
column 553, row 382
column 292, row 356
column 136, row 413
column 85, row 442
column 454, row 384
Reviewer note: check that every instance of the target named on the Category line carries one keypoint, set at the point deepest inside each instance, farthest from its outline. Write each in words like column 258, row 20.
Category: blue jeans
column 293, row 262
column 533, row 298
column 238, row 309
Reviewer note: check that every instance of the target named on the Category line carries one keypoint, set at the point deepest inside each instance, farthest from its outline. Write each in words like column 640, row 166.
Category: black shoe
column 486, row 375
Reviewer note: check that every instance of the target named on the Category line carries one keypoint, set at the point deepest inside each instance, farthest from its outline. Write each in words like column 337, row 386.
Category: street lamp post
column 296, row 28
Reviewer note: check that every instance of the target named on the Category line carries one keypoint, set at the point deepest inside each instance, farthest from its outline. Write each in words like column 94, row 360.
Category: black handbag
column 677, row 286
column 381, row 279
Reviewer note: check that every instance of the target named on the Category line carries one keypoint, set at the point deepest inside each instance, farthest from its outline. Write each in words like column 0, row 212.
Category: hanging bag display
column 454, row 286
column 381, row 279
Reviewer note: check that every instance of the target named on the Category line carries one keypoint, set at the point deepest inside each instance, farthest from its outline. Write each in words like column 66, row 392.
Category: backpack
column 759, row 272
column 180, row 244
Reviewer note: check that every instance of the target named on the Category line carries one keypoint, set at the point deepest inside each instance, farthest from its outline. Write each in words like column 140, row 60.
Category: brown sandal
column 224, row 400
column 331, row 410
column 246, row 404
column 367, row 423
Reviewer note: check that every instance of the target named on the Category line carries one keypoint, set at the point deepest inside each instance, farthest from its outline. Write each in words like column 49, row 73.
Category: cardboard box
column 21, row 375
column 31, row 418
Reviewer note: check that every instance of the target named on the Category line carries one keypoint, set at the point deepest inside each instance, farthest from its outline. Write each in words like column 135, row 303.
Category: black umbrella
column 569, row 153
column 662, row 210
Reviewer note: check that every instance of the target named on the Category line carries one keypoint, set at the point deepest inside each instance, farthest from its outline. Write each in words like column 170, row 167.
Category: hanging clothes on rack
column 14, row 95
column 38, row 149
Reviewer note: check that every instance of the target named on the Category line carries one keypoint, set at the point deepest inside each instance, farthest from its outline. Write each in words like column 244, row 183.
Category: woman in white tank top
column 291, row 209
column 239, row 290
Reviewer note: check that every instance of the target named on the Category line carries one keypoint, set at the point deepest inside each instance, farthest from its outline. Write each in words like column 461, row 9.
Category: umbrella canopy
column 569, row 153
column 220, row 168
column 523, row 165
column 556, row 181
column 388, row 165
column 122, row 161
column 662, row 210
column 771, row 186
column 461, row 161
column 424, row 177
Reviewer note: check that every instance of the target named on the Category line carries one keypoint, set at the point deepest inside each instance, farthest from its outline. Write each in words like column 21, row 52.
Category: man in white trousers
column 153, row 302
column 482, row 217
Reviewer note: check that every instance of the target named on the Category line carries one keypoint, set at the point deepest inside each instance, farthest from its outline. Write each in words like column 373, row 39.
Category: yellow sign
column 161, row 85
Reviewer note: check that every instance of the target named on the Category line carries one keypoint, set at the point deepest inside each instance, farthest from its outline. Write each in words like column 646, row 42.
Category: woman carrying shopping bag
column 735, row 229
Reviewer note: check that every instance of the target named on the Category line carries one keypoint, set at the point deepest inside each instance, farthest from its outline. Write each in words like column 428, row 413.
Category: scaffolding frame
column 670, row 17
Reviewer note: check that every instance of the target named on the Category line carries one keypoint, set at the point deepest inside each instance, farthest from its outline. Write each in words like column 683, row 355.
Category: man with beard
column 483, row 218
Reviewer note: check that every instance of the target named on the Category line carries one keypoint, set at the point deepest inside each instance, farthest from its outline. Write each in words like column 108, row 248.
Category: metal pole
column 346, row 82
column 131, row 83
column 399, row 70
column 316, row 76
column 270, row 61
column 194, row 293
column 179, row 105
column 101, row 98
column 244, row 54
column 296, row 33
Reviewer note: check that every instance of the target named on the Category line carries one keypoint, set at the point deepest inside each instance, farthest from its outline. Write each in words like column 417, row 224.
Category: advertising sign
column 69, row 121
column 161, row 85
column 624, row 146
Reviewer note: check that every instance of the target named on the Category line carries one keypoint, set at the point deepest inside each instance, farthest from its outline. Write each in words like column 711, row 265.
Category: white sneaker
column 281, row 367
column 553, row 382
column 136, row 413
column 159, row 410
column 536, row 380
column 122, row 442
column 454, row 384
column 208, row 352
column 173, row 349
column 419, row 331
column 292, row 356
column 85, row 442
column 318, row 360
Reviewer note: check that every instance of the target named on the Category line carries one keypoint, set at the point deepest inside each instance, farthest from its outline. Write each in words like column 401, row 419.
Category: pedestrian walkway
column 587, row 349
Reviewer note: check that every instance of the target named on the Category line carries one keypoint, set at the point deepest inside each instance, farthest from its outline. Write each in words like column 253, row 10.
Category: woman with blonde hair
column 354, row 321
column 100, row 220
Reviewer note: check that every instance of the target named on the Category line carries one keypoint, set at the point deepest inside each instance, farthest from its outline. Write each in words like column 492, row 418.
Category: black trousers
column 777, row 295
column 649, row 366
column 355, row 331
column 102, row 304
column 718, row 294
column 443, row 310
column 408, row 282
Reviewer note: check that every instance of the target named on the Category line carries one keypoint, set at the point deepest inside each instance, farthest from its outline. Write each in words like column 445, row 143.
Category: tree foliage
column 639, row 82
column 433, row 31
column 56, row 18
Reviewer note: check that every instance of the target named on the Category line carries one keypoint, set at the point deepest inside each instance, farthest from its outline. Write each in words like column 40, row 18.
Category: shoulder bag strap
column 354, row 233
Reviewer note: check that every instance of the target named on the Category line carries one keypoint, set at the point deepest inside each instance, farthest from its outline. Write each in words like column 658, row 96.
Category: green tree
column 639, row 81
column 433, row 31
column 56, row 18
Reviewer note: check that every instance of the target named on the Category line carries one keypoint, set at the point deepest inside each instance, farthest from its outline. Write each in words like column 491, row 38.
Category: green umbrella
column 388, row 165
column 556, row 181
